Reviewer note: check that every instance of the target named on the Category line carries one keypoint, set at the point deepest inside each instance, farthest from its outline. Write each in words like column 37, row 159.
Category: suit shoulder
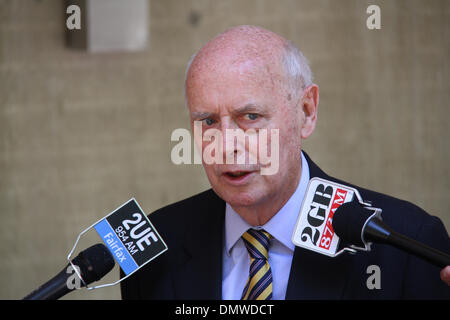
column 192, row 204
column 402, row 215
column 393, row 208
column 181, row 225
column 172, row 221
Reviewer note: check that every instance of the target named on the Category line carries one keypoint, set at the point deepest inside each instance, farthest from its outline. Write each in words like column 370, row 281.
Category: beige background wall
column 82, row 133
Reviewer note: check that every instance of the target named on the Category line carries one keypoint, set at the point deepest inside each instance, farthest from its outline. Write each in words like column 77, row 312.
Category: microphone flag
column 314, row 228
column 130, row 237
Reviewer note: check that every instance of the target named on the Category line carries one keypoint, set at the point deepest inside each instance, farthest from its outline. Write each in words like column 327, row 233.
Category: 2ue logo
column 130, row 237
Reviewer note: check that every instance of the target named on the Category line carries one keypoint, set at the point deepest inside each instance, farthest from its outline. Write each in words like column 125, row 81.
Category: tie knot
column 257, row 243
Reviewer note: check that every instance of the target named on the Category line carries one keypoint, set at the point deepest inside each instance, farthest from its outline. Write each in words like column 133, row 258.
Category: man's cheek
column 269, row 152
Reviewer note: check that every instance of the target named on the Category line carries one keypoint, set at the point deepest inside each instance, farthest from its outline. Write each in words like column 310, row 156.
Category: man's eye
column 209, row 121
column 252, row 116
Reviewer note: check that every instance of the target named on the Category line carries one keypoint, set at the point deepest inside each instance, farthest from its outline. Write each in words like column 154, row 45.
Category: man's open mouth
column 237, row 174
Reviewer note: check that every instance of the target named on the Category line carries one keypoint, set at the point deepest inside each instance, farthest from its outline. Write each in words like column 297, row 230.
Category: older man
column 234, row 241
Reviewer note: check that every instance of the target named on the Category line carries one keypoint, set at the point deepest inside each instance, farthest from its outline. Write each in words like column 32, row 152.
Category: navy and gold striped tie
column 259, row 283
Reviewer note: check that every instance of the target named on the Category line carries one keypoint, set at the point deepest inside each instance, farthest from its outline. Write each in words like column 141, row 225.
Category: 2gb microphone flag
column 130, row 237
column 314, row 230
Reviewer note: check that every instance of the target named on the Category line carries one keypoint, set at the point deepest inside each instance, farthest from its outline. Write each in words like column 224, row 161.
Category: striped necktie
column 259, row 283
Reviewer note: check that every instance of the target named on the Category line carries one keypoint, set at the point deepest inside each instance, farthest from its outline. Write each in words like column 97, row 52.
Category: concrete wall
column 82, row 133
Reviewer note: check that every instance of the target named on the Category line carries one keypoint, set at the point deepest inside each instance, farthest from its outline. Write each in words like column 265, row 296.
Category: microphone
column 93, row 263
column 357, row 225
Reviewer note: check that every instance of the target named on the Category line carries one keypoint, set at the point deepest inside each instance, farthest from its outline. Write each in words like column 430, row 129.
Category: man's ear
column 309, row 105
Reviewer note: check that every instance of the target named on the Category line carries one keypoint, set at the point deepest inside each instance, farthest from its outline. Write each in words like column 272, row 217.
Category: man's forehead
column 241, row 72
column 247, row 84
column 244, row 46
column 238, row 63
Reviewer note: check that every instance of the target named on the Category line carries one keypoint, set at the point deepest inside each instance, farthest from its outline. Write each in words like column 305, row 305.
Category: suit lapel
column 316, row 276
column 198, row 273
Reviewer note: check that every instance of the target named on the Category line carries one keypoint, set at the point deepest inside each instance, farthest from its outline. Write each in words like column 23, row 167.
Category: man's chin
column 239, row 198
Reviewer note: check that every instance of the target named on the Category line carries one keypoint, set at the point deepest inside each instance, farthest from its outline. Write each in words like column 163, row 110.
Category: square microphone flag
column 130, row 237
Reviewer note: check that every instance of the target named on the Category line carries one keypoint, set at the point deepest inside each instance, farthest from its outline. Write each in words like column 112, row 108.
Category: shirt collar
column 282, row 224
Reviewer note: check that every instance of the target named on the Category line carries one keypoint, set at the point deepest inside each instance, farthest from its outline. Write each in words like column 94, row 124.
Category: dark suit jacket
column 192, row 267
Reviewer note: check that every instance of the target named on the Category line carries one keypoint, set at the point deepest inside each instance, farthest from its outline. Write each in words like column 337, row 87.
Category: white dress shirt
column 236, row 260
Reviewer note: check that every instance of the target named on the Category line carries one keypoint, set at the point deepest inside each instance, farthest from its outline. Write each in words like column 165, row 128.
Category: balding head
column 253, row 46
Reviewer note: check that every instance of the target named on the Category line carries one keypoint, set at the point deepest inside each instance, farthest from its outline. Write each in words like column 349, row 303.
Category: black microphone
column 355, row 224
column 93, row 263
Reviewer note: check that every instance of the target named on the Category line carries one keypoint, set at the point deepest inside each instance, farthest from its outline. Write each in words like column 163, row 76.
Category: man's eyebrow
column 249, row 108
column 200, row 114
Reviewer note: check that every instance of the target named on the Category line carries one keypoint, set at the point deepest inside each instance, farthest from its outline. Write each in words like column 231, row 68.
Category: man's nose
column 232, row 146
